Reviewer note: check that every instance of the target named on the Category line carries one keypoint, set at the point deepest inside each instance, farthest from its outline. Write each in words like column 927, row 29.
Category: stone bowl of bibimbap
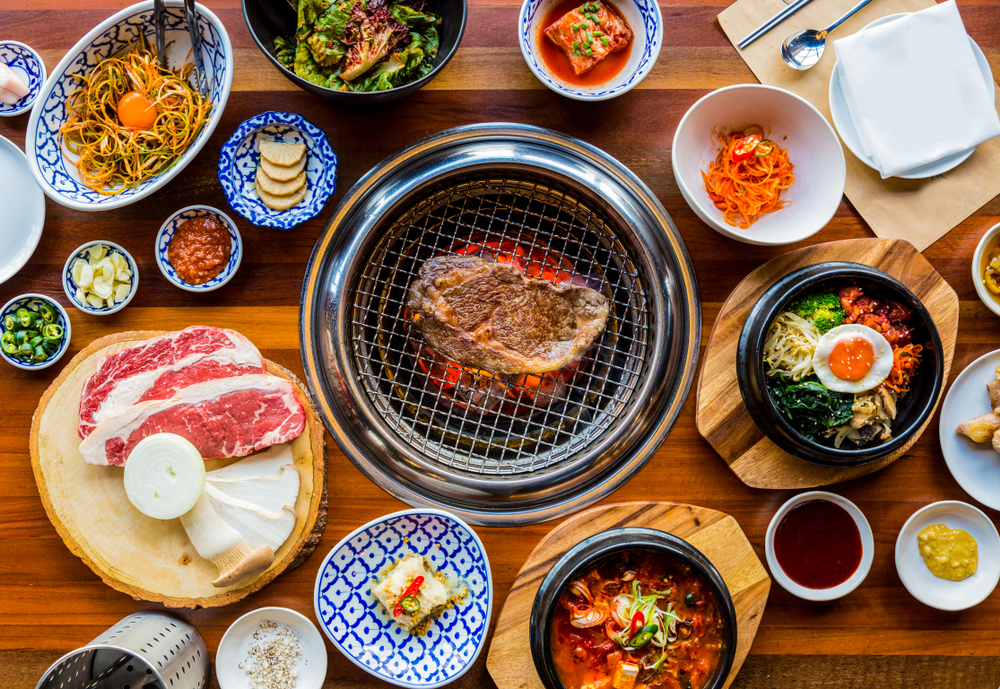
column 839, row 364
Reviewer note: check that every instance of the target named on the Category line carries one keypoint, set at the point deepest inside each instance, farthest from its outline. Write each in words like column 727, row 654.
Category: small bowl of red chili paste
column 819, row 546
column 199, row 248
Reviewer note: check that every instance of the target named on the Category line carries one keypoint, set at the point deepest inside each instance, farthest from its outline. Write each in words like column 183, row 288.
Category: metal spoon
column 803, row 49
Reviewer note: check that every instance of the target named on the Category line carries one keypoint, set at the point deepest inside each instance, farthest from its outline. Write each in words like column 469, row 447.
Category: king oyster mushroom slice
column 245, row 514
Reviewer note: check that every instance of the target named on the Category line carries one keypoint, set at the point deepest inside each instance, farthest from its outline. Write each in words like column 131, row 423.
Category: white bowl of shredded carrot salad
column 111, row 125
column 759, row 164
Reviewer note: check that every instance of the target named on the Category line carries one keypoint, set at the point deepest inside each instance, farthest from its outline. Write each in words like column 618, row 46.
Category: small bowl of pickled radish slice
column 34, row 331
column 986, row 269
column 100, row 278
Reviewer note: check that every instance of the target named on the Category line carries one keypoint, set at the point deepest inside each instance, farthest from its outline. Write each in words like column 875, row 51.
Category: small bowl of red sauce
column 819, row 546
column 590, row 50
column 199, row 249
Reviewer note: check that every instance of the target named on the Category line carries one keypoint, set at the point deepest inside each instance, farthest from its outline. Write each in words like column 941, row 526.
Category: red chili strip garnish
column 410, row 590
column 745, row 148
column 638, row 622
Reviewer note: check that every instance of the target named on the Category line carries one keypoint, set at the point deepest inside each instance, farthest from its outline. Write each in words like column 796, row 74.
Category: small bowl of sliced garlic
column 100, row 278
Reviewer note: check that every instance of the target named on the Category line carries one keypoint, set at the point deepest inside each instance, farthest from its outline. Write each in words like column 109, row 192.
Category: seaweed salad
column 361, row 45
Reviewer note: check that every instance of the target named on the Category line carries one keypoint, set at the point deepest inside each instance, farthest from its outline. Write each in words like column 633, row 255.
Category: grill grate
column 495, row 436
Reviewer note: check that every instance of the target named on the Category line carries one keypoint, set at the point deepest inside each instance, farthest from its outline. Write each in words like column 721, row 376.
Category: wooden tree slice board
column 721, row 415
column 135, row 554
column 715, row 534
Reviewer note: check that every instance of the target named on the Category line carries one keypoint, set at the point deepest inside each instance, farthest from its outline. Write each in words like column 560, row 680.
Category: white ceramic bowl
column 975, row 466
column 791, row 122
column 166, row 234
column 235, row 644
column 69, row 287
column 643, row 16
column 977, row 277
column 50, row 162
column 867, row 548
column 31, row 301
column 941, row 593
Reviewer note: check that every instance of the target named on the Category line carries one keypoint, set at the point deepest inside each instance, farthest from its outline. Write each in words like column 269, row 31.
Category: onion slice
column 164, row 476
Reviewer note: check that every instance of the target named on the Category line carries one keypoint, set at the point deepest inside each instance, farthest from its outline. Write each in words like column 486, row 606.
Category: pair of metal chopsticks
column 773, row 22
column 159, row 19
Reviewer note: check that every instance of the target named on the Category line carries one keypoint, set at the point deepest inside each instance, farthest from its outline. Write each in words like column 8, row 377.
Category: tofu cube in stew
column 583, row 41
column 624, row 674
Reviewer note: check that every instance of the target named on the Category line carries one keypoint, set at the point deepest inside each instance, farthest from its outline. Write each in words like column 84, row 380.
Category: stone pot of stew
column 633, row 607
column 913, row 408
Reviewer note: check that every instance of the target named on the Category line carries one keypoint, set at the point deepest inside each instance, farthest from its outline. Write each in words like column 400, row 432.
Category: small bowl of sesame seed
column 271, row 648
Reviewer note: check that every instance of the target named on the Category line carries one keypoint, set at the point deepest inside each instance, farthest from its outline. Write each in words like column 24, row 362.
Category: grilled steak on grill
column 492, row 317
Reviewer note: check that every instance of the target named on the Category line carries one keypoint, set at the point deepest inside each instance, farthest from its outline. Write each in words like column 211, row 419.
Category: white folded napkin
column 915, row 90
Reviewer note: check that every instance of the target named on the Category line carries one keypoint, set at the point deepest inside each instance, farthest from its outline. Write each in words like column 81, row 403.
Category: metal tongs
column 159, row 24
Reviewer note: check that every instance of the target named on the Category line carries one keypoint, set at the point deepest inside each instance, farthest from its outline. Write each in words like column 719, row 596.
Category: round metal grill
column 534, row 431
column 499, row 449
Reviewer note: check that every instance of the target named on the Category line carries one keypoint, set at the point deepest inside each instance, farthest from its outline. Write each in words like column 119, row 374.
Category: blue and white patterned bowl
column 52, row 165
column 32, row 301
column 240, row 157
column 167, row 231
column 647, row 24
column 28, row 65
column 356, row 623
column 69, row 287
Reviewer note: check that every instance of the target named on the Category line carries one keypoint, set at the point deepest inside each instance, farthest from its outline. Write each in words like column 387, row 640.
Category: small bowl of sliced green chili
column 34, row 331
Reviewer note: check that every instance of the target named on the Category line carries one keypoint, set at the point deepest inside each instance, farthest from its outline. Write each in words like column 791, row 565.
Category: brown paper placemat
column 920, row 211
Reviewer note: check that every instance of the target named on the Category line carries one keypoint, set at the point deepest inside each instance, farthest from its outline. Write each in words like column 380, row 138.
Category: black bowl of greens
column 795, row 357
column 358, row 51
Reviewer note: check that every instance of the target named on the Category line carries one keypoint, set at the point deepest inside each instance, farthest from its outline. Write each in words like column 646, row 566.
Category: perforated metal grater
column 146, row 650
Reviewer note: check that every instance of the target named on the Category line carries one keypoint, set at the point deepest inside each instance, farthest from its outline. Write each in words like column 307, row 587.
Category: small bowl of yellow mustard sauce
column 986, row 269
column 948, row 555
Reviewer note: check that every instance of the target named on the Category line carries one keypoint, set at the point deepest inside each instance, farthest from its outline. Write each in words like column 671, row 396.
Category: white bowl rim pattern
column 89, row 309
column 375, row 522
column 305, row 627
column 32, row 95
column 646, row 62
column 68, row 331
column 149, row 186
column 903, row 567
column 977, row 278
column 697, row 203
column 867, row 548
column 230, row 225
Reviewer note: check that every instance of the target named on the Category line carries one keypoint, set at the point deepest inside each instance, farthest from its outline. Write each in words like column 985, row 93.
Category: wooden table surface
column 50, row 603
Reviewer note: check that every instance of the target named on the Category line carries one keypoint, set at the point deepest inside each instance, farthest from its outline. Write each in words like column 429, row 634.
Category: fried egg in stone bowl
column 839, row 364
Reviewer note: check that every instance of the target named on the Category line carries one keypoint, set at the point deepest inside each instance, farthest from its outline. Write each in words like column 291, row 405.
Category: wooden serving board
column 715, row 534
column 135, row 554
column 721, row 416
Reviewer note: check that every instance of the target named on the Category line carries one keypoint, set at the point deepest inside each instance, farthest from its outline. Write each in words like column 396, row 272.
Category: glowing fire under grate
column 471, row 420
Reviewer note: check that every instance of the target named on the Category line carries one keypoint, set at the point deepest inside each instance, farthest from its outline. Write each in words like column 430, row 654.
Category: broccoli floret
column 824, row 319
column 822, row 309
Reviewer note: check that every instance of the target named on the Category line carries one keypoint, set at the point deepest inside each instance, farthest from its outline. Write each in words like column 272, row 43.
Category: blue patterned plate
column 167, row 231
column 26, row 64
column 52, row 165
column 32, row 302
column 357, row 625
column 647, row 24
column 240, row 157
column 69, row 287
